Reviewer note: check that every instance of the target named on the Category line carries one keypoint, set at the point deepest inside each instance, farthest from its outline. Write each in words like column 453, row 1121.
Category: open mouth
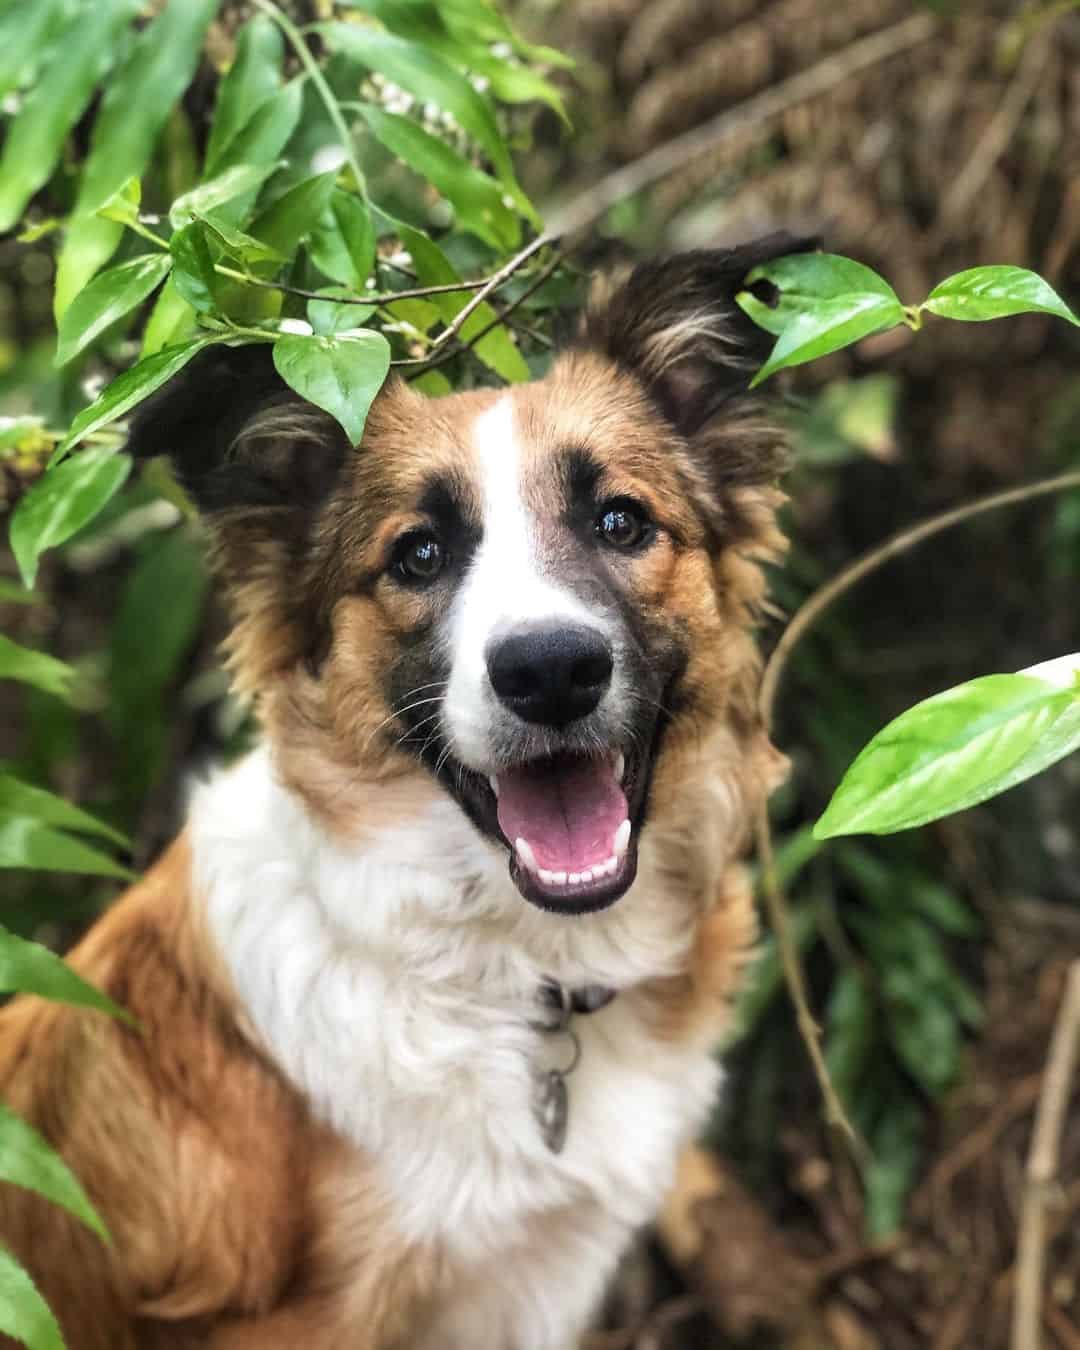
column 567, row 821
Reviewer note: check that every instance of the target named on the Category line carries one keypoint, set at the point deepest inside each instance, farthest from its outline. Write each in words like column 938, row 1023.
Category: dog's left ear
column 675, row 325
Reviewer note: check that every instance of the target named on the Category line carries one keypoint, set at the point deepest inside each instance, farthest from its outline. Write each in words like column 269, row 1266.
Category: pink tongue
column 567, row 809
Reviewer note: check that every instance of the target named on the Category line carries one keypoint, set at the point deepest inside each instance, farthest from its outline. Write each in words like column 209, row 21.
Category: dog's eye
column 624, row 524
column 419, row 557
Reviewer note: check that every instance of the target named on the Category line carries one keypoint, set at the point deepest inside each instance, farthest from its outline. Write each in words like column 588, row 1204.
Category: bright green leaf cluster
column 817, row 303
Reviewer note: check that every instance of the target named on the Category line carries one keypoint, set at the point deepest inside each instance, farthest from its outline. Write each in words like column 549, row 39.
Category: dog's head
column 534, row 593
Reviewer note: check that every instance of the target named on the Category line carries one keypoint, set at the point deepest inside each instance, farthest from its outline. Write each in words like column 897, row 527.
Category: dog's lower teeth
column 526, row 855
column 494, row 784
column 620, row 767
column 621, row 842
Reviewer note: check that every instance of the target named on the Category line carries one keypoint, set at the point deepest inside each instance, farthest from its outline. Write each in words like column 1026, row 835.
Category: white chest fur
column 394, row 983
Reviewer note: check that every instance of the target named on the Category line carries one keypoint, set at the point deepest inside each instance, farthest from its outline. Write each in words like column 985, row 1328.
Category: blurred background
column 936, row 959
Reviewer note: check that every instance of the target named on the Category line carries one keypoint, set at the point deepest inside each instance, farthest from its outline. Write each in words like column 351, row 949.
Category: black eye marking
column 625, row 525
column 418, row 558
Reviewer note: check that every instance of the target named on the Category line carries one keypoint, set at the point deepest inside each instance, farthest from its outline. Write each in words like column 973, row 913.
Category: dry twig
column 1042, row 1167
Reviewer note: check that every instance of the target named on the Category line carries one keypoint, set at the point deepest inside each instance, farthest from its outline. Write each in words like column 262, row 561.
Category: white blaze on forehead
column 506, row 583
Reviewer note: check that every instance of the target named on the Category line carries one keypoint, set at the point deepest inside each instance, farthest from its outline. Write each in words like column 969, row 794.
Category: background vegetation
column 937, row 959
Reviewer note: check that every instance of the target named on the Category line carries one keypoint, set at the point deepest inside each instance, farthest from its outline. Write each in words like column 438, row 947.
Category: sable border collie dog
column 429, row 988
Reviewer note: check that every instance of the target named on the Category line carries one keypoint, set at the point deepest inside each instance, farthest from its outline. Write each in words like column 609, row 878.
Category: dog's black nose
column 550, row 675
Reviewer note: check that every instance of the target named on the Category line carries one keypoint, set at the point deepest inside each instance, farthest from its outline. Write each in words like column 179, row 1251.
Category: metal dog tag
column 550, row 1106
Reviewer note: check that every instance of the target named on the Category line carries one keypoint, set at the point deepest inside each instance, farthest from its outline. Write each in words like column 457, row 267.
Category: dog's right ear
column 237, row 435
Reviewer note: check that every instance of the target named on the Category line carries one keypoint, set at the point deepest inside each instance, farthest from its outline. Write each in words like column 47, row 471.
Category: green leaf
column 25, row 32
column 433, row 267
column 429, row 78
column 422, row 23
column 26, row 842
column 235, row 182
column 36, row 668
column 129, row 389
column 482, row 20
column 850, row 1030
column 477, row 198
column 331, row 316
column 23, row 799
column 123, row 205
column 62, row 501
column 923, row 1028
column 952, row 751
column 29, row 968
column 340, row 375
column 140, row 96
column 193, row 275
column 343, row 242
column 171, row 320
column 88, row 245
column 24, row 1314
column 993, row 293
column 109, row 297
column 254, row 77
column 294, row 214
column 432, row 384
column 27, row 1160
column 826, row 302
column 895, row 1146
column 262, row 138
column 57, row 99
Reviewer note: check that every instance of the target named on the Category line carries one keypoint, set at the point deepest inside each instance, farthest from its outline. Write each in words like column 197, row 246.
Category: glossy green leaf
column 294, row 214
column 343, row 242
column 110, row 296
column 193, row 274
column 430, row 79
column 27, row 1160
column 30, row 843
column 29, row 968
column 123, row 205
column 89, row 243
column 253, row 77
column 57, row 100
column 139, row 97
column 171, row 321
column 62, row 501
column 421, row 22
column 825, row 303
column 24, row 1314
column 993, row 293
column 261, row 139
column 480, row 19
column 496, row 349
column 37, row 668
column 952, row 751
column 476, row 198
column 332, row 316
column 129, row 389
column 24, row 799
column 25, row 34
column 340, row 375
column 234, row 182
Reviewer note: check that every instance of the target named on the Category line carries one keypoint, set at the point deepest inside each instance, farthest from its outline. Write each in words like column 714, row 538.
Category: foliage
column 349, row 174
column 823, row 303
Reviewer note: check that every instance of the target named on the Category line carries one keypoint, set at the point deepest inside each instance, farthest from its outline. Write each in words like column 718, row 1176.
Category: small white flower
column 328, row 158
column 298, row 326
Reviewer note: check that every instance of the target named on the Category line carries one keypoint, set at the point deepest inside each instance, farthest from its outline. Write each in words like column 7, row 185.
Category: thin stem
column 333, row 110
column 901, row 543
column 375, row 298
column 430, row 362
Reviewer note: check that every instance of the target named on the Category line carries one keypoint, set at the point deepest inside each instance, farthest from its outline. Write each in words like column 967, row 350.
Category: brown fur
column 237, row 1220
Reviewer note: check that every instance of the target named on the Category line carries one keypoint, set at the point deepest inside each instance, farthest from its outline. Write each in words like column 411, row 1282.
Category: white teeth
column 601, row 869
column 620, row 767
column 558, row 878
column 574, row 878
column 494, row 784
column 525, row 854
column 621, row 842
column 547, row 877
column 586, row 875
